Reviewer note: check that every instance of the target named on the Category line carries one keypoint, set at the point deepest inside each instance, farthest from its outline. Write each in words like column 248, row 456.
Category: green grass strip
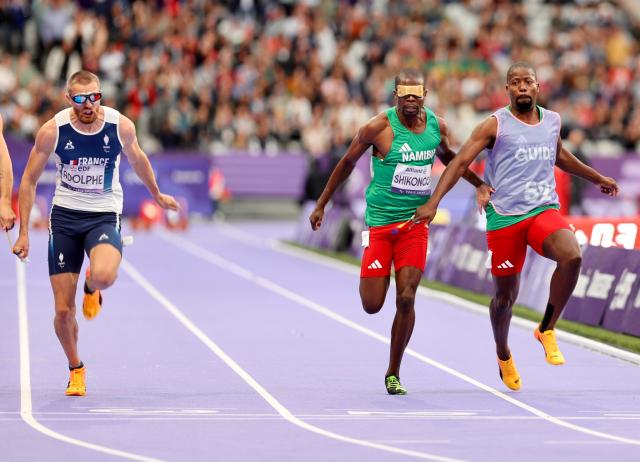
column 623, row 341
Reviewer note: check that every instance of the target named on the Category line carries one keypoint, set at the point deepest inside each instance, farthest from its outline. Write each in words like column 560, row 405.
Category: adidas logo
column 375, row 265
column 405, row 148
column 69, row 146
column 506, row 264
column 521, row 140
column 103, row 237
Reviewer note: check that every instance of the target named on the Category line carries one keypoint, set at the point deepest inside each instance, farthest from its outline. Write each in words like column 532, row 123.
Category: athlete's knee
column 65, row 313
column 572, row 263
column 504, row 300
column 102, row 279
column 372, row 305
column 405, row 300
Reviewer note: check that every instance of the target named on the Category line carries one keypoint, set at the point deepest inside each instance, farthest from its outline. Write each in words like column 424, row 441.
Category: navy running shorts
column 72, row 233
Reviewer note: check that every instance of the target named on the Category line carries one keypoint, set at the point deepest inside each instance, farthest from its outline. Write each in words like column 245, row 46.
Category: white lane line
column 26, row 405
column 577, row 442
column 449, row 298
column 414, row 441
column 404, row 414
column 233, row 365
column 123, row 415
column 101, row 417
column 227, row 265
column 305, row 417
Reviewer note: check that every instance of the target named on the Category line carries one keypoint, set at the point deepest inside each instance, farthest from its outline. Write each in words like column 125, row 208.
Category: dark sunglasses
column 80, row 99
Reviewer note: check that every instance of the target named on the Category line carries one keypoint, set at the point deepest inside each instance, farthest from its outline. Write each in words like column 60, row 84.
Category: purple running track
column 294, row 325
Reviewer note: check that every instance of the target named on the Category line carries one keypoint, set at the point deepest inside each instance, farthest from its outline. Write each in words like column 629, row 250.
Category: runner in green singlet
column 405, row 139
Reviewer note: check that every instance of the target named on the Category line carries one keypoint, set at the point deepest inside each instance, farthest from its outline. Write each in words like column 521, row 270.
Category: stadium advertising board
column 608, row 290
column 607, row 232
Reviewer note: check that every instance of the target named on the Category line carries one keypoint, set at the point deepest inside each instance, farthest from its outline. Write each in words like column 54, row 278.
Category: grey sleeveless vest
column 520, row 164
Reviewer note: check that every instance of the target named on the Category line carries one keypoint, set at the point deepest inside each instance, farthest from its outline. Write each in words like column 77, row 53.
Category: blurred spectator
column 265, row 76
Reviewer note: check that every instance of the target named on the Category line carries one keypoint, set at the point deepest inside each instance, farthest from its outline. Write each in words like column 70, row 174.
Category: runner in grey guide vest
column 523, row 145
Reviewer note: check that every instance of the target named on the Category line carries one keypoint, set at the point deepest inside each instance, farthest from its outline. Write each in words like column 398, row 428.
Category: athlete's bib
column 412, row 179
column 83, row 178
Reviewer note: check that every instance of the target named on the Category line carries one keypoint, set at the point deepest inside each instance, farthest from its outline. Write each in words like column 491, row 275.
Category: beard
column 524, row 104
column 86, row 118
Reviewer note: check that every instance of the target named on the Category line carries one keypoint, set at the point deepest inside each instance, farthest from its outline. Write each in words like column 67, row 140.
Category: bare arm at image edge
column 7, row 216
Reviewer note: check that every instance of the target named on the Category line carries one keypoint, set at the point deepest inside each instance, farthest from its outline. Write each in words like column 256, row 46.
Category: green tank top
column 402, row 181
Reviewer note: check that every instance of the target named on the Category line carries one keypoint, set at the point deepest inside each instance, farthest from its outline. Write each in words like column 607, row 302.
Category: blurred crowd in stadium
column 265, row 75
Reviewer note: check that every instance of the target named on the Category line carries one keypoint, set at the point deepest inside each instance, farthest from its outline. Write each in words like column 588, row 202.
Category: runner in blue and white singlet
column 523, row 144
column 86, row 141
column 87, row 165
column 87, row 202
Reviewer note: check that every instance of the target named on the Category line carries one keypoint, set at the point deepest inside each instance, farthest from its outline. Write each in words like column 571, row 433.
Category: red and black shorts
column 508, row 246
column 387, row 244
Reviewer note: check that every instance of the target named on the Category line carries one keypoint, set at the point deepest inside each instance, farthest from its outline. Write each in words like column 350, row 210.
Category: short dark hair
column 409, row 74
column 82, row 77
column 521, row 65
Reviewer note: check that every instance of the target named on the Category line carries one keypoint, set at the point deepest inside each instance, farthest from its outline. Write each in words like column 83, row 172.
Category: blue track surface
column 217, row 344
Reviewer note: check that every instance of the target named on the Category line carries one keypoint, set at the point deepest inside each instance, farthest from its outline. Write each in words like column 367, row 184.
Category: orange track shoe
column 92, row 302
column 76, row 385
column 509, row 373
column 551, row 351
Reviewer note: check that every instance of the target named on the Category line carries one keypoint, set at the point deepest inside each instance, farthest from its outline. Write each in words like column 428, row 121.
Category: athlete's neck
column 85, row 127
column 413, row 121
column 530, row 116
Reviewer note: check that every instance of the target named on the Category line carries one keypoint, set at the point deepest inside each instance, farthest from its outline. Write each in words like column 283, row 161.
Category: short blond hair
column 82, row 77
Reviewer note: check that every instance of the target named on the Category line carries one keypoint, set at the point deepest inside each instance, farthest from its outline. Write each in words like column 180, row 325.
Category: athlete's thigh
column 378, row 243
column 507, row 287
column 64, row 287
column 550, row 236
column 65, row 253
column 103, row 244
column 375, row 269
column 561, row 245
column 508, row 248
column 373, row 291
column 407, row 280
column 410, row 249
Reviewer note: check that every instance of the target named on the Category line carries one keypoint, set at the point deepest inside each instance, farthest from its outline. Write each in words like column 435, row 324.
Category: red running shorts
column 508, row 246
column 383, row 245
